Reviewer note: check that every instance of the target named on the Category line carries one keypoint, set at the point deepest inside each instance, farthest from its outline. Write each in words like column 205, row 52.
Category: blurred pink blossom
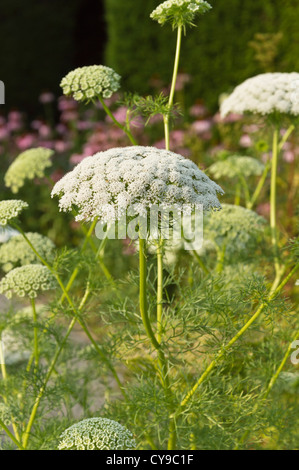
column 25, row 141
column 182, row 80
column 245, row 141
column 264, row 209
column 201, row 126
column 197, row 110
column 44, row 131
column 289, row 156
column 46, row 97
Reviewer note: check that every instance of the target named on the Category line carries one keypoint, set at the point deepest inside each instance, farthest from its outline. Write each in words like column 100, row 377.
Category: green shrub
column 217, row 53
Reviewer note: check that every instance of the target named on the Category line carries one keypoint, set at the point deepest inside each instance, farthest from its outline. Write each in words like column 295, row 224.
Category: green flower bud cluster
column 28, row 165
column 17, row 252
column 236, row 166
column 233, row 226
column 97, row 434
column 27, row 281
column 10, row 210
column 179, row 12
column 86, row 83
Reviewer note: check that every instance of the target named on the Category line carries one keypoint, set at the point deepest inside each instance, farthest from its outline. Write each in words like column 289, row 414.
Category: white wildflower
column 264, row 94
column 111, row 182
column 179, row 12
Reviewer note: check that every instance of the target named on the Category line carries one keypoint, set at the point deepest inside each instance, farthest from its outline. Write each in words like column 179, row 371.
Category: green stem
column 173, row 84
column 286, row 137
column 246, row 190
column 35, row 331
column 74, row 309
column 123, row 128
column 220, row 258
column 200, row 262
column 273, row 221
column 160, row 290
column 50, row 371
column 259, row 187
column 241, row 332
column 12, row 437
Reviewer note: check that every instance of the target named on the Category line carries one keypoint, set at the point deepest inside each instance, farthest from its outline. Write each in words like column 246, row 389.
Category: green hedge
column 216, row 53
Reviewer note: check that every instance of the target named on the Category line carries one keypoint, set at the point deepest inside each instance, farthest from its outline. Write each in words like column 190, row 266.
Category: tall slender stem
column 12, row 437
column 273, row 220
column 118, row 124
column 35, row 332
column 159, row 290
column 259, row 187
column 173, row 84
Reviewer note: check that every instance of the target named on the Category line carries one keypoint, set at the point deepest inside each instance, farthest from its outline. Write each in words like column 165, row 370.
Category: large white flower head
column 17, row 252
column 109, row 183
column 11, row 209
column 27, row 281
column 87, row 83
column 265, row 94
column 236, row 166
column 28, row 165
column 97, row 434
column 233, row 226
column 179, row 12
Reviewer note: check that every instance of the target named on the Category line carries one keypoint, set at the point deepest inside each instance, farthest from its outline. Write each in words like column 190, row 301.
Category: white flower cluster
column 236, row 166
column 27, row 281
column 86, row 83
column 17, row 252
column 11, row 209
column 179, row 12
column 264, row 94
column 97, row 434
column 28, row 165
column 107, row 184
column 234, row 226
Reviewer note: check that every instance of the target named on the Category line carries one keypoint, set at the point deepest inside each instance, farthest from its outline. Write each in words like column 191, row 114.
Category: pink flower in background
column 245, row 141
column 67, row 104
column 85, row 125
column 69, row 115
column 266, row 157
column 77, row 158
column 289, row 156
column 46, row 97
column 36, row 124
column 44, row 131
column 264, row 209
column 25, row 141
column 160, row 144
column 62, row 146
column 4, row 133
column 61, row 129
column 177, row 137
column 197, row 111
column 230, row 119
column 201, row 127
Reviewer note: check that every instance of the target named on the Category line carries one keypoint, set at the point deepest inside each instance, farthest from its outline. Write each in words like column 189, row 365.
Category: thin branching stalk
column 35, row 333
column 227, row 347
column 12, row 437
column 123, row 128
column 273, row 215
column 159, row 290
column 75, row 310
column 259, row 187
column 173, row 84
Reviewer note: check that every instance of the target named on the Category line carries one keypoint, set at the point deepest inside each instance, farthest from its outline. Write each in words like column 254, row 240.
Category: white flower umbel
column 97, row 434
column 236, row 166
column 179, row 12
column 11, row 209
column 105, row 185
column 264, row 94
column 17, row 252
column 87, row 83
column 28, row 165
column 27, row 281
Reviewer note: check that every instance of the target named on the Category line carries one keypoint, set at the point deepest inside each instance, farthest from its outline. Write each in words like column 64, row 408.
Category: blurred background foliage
column 41, row 40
